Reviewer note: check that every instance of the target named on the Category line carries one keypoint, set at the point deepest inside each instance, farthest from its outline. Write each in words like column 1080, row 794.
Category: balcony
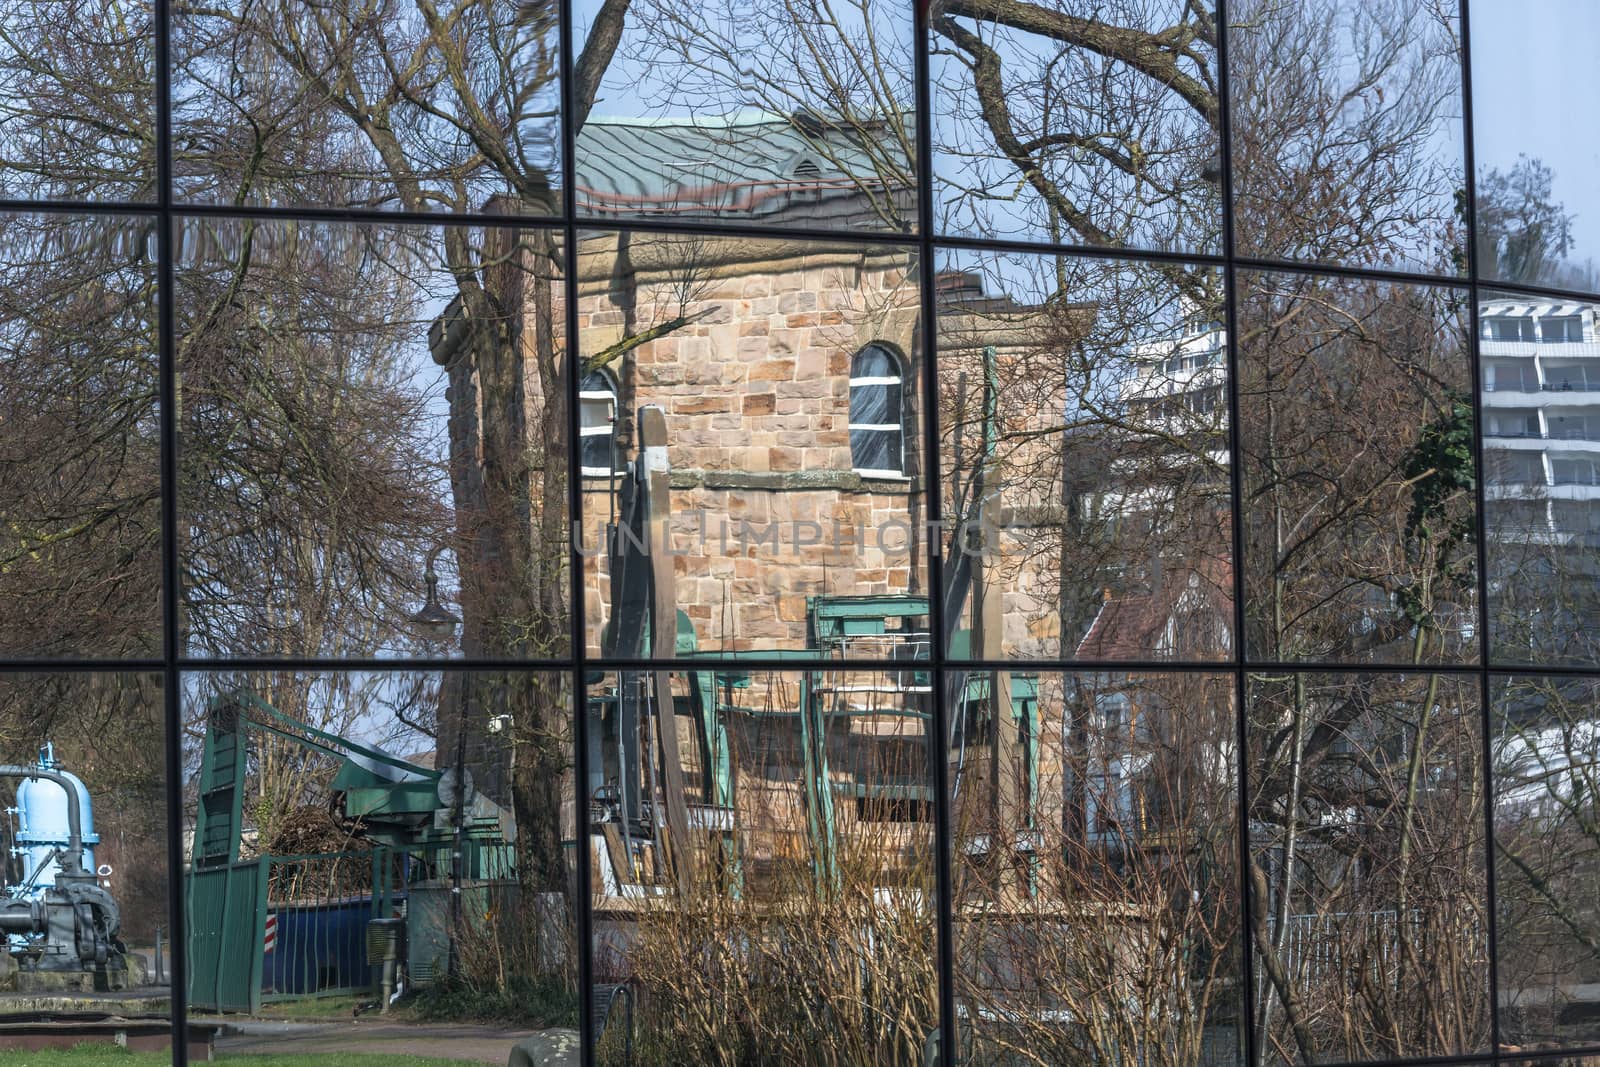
column 1532, row 386
column 1542, row 399
column 1580, row 435
column 1538, row 489
column 1548, row 349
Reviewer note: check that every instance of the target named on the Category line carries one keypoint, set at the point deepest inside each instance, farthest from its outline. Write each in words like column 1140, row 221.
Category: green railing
column 286, row 927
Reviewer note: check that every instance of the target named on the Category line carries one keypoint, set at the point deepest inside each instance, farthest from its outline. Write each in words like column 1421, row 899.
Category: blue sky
column 1535, row 91
column 1535, row 85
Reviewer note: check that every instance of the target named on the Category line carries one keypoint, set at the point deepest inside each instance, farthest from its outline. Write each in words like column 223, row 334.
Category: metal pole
column 458, row 843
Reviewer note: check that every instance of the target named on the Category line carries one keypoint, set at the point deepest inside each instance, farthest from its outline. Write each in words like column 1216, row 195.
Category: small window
column 1574, row 472
column 597, row 423
column 1115, row 711
column 1511, row 329
column 1560, row 330
column 1512, row 377
column 1516, row 468
column 877, row 419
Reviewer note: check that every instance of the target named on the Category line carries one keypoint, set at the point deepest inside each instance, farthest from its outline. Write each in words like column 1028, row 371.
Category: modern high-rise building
column 1540, row 364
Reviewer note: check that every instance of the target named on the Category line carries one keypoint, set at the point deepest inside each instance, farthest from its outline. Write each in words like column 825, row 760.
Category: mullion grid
column 577, row 642
column 932, row 467
column 1485, row 644
column 171, row 568
column 1246, row 1039
column 173, row 662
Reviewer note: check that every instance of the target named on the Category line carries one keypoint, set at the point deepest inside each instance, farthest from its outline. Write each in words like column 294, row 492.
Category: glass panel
column 770, row 845
column 1097, row 884
column 80, row 492
column 348, row 427
column 1368, row 916
column 780, row 112
column 876, row 450
column 734, row 354
column 87, row 929
column 874, row 362
column 1542, row 489
column 329, row 823
column 1347, row 133
column 1085, row 457
column 875, row 405
column 595, row 415
column 1547, row 848
column 450, row 107
column 597, row 452
column 1078, row 122
column 1536, row 194
column 77, row 101
column 1357, row 442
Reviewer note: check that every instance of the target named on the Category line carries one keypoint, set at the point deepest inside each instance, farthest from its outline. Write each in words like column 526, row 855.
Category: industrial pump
column 61, row 927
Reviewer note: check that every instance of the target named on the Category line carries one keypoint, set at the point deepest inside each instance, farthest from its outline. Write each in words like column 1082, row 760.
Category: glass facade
column 998, row 532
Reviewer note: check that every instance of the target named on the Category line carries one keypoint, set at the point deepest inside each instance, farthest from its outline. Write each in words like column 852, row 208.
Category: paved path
column 477, row 1044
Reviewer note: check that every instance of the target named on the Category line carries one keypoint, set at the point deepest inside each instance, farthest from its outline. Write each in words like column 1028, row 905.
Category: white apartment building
column 1179, row 376
column 1541, row 420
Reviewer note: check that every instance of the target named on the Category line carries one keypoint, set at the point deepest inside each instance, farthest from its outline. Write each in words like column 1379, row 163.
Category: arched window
column 877, row 420
column 597, row 426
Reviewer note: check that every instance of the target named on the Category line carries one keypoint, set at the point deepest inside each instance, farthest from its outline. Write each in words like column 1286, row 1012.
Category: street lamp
column 438, row 623
column 435, row 621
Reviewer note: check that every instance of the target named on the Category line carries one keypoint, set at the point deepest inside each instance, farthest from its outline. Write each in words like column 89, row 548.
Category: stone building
column 791, row 375
column 793, row 395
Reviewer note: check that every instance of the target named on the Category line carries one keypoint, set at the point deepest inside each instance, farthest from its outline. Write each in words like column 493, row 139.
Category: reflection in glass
column 421, row 107
column 597, row 421
column 1347, row 134
column 1536, row 205
column 766, row 844
column 1547, row 857
column 80, row 494
column 768, row 478
column 77, row 101
column 760, row 111
column 1541, row 441
column 1368, row 913
column 877, row 429
column 1078, row 122
column 84, row 900
column 360, row 404
column 1357, row 443
column 1084, row 415
column 1096, row 868
column 422, row 821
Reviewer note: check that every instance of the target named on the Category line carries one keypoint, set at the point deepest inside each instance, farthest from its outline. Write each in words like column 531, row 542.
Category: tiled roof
column 1131, row 627
column 744, row 163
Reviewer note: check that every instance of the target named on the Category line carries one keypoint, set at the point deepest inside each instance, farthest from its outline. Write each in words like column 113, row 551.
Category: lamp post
column 434, row 620
column 438, row 624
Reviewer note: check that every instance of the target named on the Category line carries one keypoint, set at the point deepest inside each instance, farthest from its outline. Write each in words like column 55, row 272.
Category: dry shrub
column 516, row 964
column 793, row 973
column 1110, row 960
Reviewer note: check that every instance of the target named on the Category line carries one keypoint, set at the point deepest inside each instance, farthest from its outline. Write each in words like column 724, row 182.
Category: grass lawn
column 111, row 1056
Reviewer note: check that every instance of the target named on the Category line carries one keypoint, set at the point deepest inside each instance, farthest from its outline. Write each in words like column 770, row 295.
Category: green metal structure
column 834, row 624
column 228, row 901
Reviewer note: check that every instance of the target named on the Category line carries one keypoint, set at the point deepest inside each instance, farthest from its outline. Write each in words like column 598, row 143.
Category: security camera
column 498, row 723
